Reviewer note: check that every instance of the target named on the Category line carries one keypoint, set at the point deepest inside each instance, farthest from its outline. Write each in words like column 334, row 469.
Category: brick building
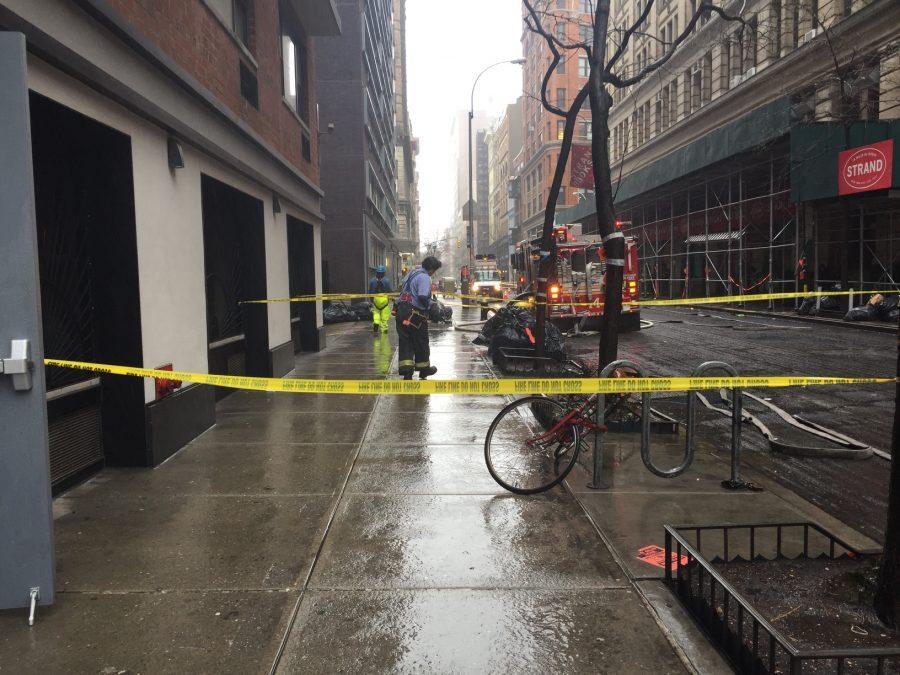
column 542, row 130
column 175, row 166
column 355, row 79
column 505, row 146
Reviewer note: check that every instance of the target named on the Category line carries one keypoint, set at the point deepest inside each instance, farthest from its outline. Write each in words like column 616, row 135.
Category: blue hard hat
column 380, row 269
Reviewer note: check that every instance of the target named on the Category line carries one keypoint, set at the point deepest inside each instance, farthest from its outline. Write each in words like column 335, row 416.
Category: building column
column 889, row 88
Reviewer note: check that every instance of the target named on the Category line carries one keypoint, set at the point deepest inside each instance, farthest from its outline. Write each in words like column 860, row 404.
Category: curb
column 837, row 323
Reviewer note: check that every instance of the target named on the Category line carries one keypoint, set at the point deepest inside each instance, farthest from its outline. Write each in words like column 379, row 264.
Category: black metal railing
column 752, row 643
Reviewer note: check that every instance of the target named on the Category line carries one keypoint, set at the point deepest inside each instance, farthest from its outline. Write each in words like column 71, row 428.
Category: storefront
column 844, row 180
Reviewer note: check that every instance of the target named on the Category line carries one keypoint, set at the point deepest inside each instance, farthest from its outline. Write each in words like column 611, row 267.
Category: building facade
column 730, row 156
column 406, row 147
column 505, row 146
column 355, row 80
column 175, row 167
column 460, row 133
column 569, row 21
column 482, row 193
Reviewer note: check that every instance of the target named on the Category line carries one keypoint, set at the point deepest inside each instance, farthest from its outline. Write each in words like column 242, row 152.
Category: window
column 587, row 34
column 561, row 67
column 249, row 85
column 560, row 129
column 561, row 98
column 586, row 130
column 561, row 31
column 294, row 61
column 586, row 6
column 584, row 69
column 235, row 14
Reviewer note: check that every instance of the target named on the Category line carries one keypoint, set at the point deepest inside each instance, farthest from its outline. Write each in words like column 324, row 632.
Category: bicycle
column 533, row 443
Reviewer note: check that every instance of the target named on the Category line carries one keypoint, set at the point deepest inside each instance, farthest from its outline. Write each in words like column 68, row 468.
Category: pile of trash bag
column 878, row 308
column 826, row 304
column 516, row 327
column 362, row 310
column 439, row 312
column 338, row 312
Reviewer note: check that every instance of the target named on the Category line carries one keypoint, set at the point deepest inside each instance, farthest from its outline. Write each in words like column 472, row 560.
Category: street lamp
column 470, row 229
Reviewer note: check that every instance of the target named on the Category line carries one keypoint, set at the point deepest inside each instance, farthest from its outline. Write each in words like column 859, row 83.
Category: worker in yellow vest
column 379, row 288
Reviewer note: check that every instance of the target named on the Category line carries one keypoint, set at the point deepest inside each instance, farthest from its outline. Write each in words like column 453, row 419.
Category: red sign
column 582, row 173
column 656, row 556
column 869, row 167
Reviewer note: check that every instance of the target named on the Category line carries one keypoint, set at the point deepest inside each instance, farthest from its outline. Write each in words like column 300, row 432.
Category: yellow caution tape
column 471, row 387
column 715, row 300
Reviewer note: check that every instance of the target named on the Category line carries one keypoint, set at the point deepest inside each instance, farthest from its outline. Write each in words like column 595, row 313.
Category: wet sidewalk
column 352, row 533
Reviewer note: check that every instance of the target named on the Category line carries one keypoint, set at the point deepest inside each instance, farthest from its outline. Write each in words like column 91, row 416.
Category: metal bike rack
column 646, row 414
column 734, row 483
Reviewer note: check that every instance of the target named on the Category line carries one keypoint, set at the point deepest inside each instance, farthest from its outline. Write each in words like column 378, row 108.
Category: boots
column 375, row 328
column 425, row 373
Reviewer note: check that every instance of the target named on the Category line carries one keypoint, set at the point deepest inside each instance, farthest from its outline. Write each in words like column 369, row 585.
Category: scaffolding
column 724, row 232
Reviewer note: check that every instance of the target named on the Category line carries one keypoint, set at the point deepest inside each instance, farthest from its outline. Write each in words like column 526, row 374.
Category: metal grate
column 749, row 640
column 76, row 443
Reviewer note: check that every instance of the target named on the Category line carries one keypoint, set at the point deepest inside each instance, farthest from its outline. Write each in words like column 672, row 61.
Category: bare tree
column 605, row 74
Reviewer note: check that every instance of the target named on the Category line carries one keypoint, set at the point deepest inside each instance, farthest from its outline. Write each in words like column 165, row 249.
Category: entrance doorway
column 234, row 252
column 302, row 280
column 87, row 248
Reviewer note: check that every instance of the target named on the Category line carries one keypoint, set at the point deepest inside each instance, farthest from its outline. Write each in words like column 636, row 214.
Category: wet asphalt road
column 853, row 491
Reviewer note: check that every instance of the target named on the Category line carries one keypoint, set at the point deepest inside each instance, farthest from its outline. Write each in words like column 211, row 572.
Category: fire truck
column 486, row 283
column 578, row 277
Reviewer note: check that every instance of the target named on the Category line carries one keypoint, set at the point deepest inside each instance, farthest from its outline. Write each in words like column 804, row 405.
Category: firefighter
column 412, row 320
column 381, row 309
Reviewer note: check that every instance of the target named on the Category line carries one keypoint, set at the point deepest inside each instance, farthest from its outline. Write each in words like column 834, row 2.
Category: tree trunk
column 887, row 595
column 613, row 241
column 548, row 241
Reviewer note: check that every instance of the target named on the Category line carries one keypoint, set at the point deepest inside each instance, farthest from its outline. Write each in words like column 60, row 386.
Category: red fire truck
column 579, row 277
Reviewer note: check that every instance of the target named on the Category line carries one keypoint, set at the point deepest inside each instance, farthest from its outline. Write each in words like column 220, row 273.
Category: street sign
column 26, row 520
column 866, row 168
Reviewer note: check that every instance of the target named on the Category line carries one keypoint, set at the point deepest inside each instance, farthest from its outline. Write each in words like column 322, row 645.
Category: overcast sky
column 448, row 43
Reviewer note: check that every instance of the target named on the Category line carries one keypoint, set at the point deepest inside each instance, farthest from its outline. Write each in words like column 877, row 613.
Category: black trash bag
column 362, row 311
column 864, row 313
column 893, row 315
column 828, row 303
column 338, row 313
column 439, row 312
column 886, row 308
column 807, row 307
column 515, row 327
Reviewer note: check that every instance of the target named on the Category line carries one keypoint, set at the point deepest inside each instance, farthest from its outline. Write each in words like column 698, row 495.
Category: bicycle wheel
column 523, row 456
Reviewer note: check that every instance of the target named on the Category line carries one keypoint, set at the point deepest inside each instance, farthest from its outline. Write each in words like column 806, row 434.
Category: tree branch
column 537, row 27
column 627, row 36
column 621, row 82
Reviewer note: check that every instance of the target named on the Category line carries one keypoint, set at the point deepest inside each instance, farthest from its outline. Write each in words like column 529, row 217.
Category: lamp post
column 470, row 227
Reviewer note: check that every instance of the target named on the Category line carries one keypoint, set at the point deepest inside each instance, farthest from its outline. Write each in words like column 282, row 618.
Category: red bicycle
column 534, row 442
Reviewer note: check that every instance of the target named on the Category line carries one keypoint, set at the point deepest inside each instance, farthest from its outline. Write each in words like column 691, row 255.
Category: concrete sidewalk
column 352, row 533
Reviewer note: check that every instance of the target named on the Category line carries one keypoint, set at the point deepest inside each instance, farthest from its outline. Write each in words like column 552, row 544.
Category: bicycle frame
column 581, row 417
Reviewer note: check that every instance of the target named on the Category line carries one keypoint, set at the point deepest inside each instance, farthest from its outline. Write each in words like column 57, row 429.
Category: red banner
column 582, row 173
column 869, row 167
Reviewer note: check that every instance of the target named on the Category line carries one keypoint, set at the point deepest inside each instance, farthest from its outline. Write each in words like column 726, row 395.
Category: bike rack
column 735, row 482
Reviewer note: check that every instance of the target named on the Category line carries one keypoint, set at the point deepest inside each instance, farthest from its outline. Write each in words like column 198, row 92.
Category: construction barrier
column 585, row 386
